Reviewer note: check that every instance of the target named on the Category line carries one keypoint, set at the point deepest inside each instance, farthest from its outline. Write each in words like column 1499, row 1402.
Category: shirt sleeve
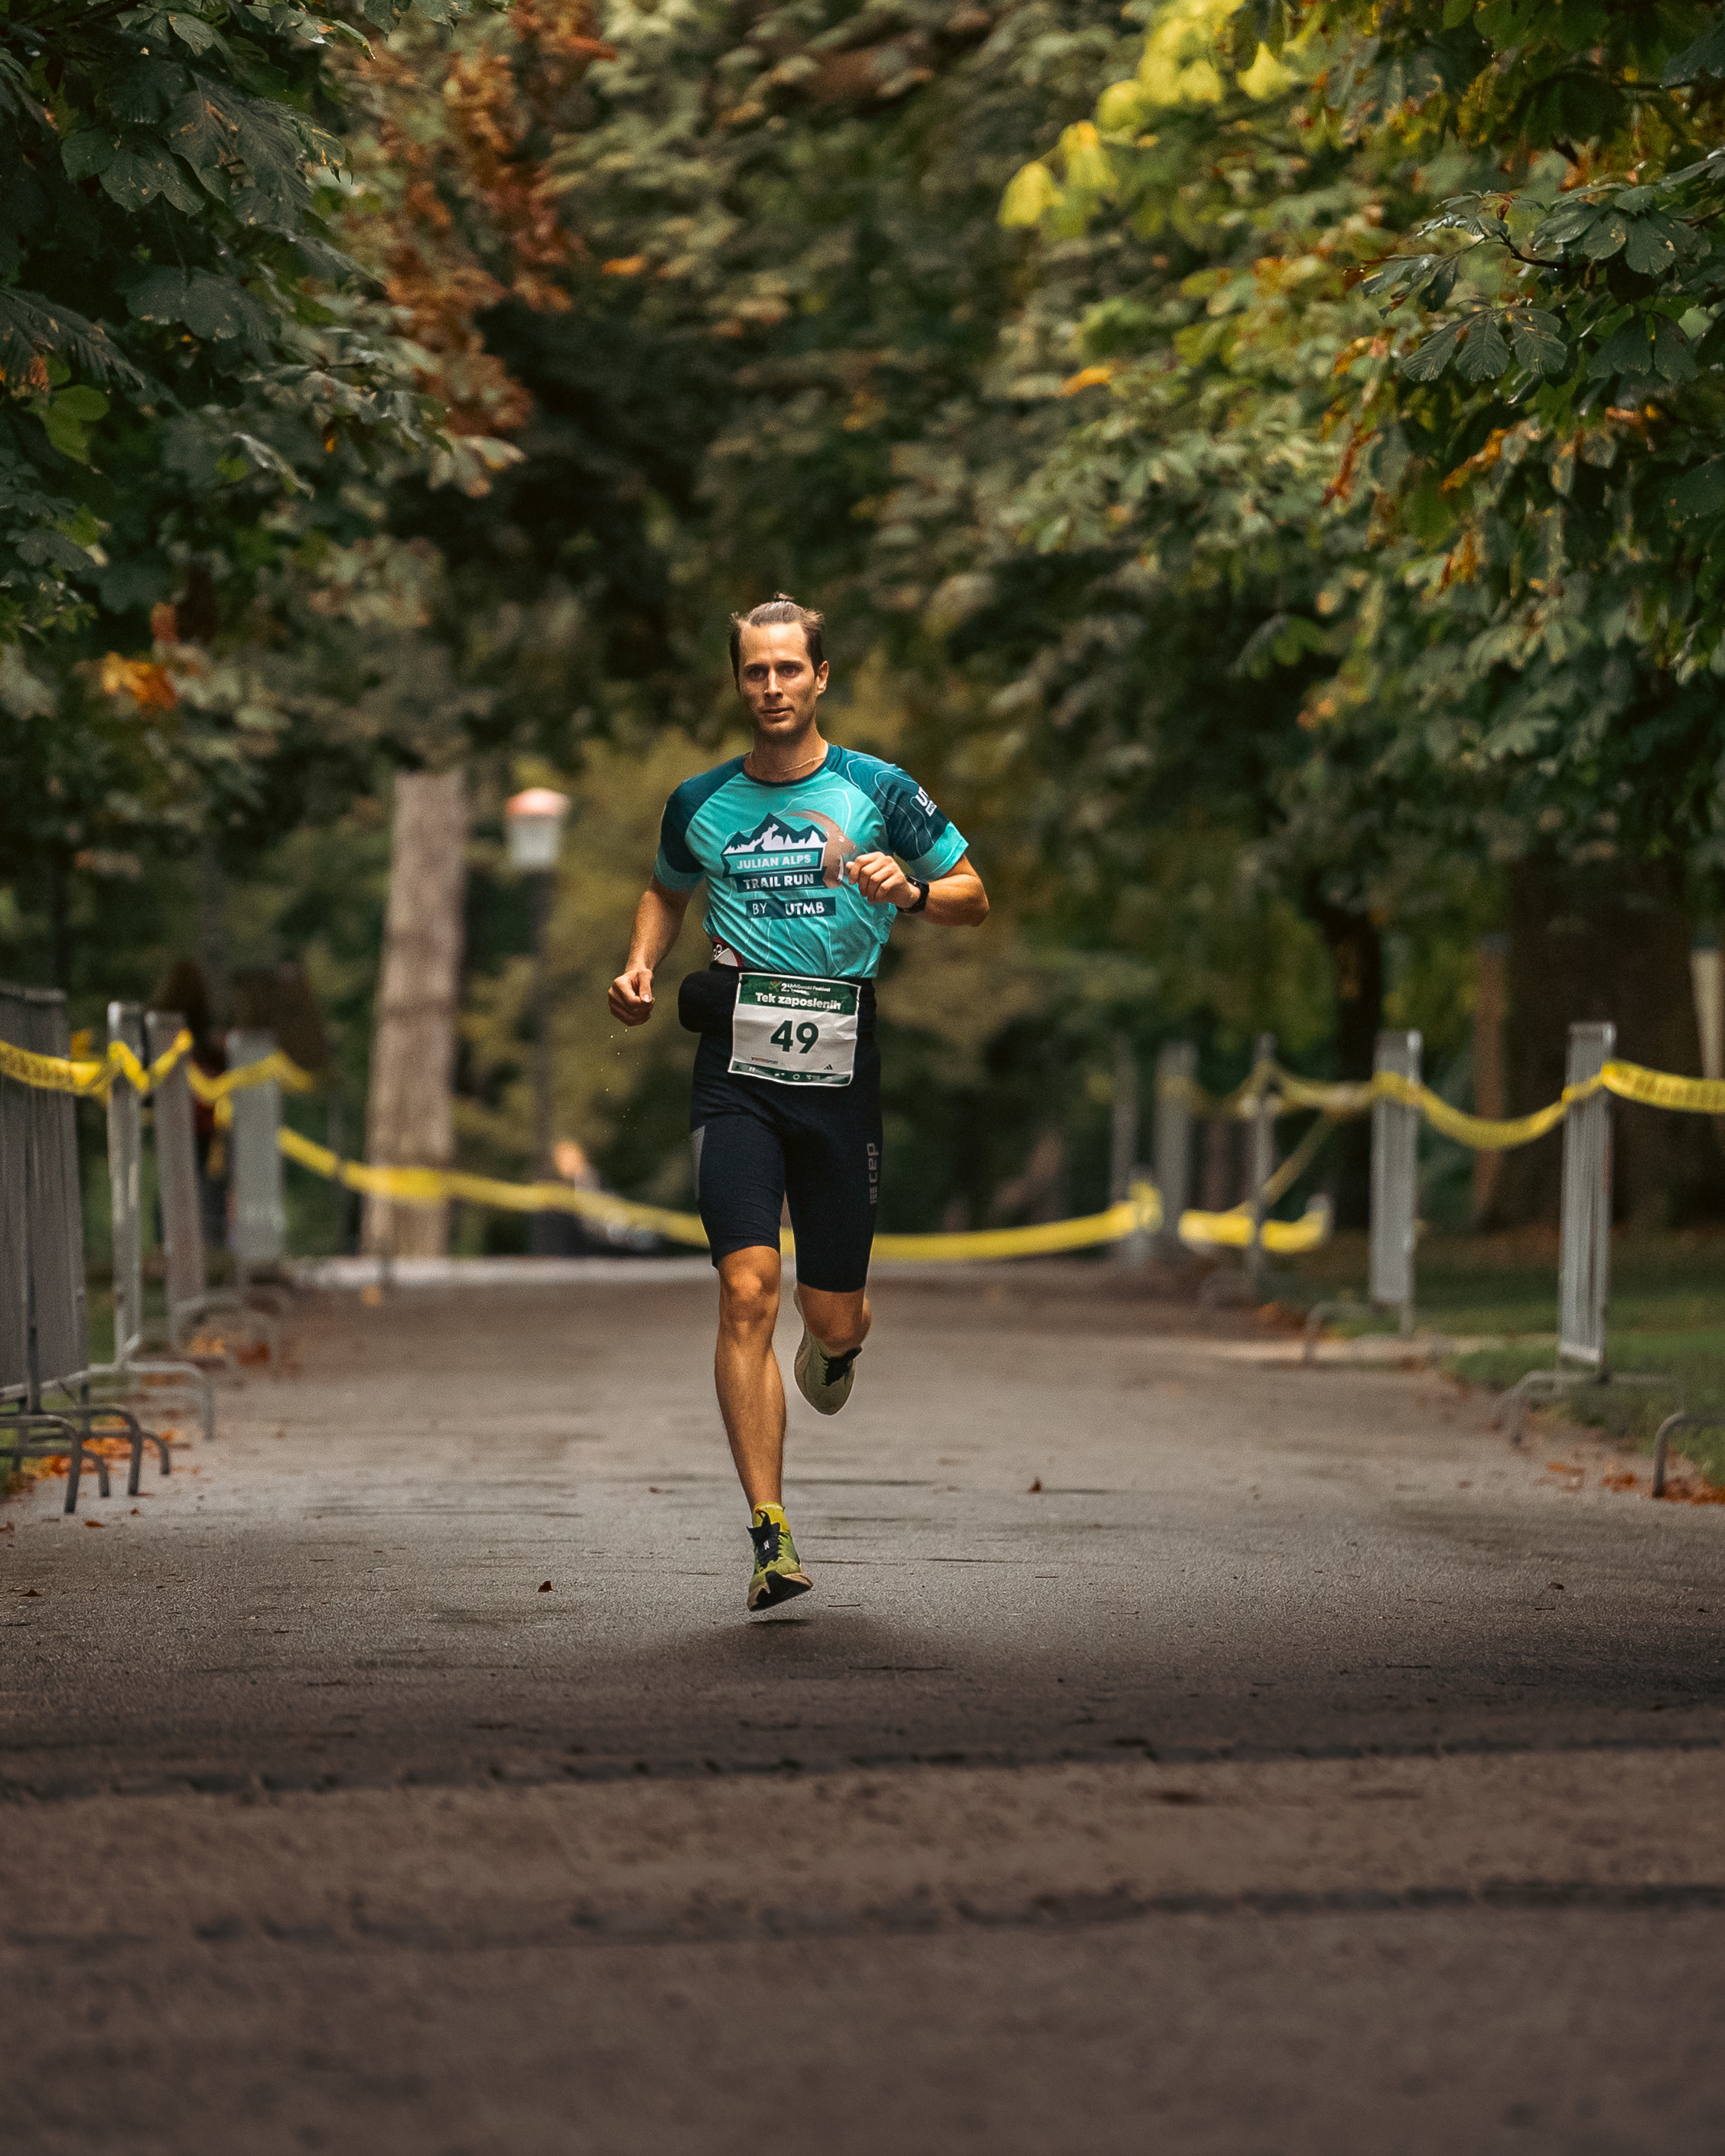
column 675, row 867
column 926, row 841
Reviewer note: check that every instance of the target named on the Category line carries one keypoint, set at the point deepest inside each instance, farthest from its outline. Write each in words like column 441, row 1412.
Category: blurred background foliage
column 1259, row 464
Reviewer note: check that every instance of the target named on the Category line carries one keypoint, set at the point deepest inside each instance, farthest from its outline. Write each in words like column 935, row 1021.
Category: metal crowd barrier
column 259, row 1206
column 190, row 1297
column 44, row 1329
column 1585, row 1249
column 126, row 1154
column 1395, row 1197
column 1176, row 1079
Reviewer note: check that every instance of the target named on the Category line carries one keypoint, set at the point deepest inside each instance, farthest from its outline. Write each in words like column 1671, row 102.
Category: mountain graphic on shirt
column 781, row 868
column 773, row 835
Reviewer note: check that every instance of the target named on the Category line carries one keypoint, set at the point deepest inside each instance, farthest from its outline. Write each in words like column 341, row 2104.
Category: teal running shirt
column 772, row 856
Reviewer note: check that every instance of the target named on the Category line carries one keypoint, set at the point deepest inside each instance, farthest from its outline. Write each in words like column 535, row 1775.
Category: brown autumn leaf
column 544, row 1587
column 95, row 1524
column 1035, row 1488
column 1694, row 1493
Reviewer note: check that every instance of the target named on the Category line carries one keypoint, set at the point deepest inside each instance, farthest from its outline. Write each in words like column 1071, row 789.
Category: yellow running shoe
column 778, row 1575
column 824, row 1380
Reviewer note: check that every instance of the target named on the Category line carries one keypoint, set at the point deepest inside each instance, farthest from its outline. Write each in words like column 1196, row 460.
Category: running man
column 795, row 842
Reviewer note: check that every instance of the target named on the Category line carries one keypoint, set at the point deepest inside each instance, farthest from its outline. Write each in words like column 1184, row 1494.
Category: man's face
column 776, row 681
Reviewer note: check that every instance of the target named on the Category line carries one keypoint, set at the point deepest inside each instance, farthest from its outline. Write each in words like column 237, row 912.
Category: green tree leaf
column 1650, row 247
column 1538, row 340
column 1699, row 493
column 88, row 153
column 1705, row 56
column 1428, row 360
column 1672, row 354
column 1627, row 351
column 195, row 34
column 1484, row 355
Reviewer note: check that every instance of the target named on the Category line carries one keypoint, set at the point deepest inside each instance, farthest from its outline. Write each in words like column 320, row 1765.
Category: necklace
column 784, row 777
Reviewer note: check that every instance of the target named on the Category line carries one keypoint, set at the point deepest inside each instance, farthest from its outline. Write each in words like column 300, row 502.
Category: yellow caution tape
column 92, row 1078
column 1663, row 1089
column 1339, row 1100
column 277, row 1066
column 1630, row 1081
column 51, row 1074
column 64, row 1074
column 1140, row 1213
column 1243, row 1100
column 1483, row 1134
column 1233, row 1231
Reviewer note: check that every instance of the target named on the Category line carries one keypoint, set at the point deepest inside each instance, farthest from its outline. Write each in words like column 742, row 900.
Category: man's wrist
column 920, row 886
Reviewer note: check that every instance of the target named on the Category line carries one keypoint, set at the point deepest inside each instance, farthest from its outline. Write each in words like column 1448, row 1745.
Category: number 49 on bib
column 794, row 1032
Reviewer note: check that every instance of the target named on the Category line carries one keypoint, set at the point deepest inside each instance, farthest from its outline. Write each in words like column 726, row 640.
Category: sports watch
column 921, row 896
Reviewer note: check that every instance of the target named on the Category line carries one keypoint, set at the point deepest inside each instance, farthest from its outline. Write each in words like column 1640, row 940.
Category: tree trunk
column 1606, row 942
column 1357, row 960
column 410, row 1118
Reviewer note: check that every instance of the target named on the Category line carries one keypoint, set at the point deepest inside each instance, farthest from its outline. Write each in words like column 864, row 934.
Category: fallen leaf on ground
column 544, row 1587
column 95, row 1524
column 1035, row 1488
column 1694, row 1493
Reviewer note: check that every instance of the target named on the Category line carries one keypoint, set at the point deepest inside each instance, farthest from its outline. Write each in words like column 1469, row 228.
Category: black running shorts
column 757, row 1144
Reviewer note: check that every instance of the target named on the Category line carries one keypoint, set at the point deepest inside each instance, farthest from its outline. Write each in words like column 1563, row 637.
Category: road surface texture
column 1181, row 1751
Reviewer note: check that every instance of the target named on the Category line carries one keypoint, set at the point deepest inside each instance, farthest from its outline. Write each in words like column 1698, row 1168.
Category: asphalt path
column 1174, row 1734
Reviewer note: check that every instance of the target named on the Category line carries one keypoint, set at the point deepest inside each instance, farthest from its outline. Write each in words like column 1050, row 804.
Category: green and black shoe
column 824, row 1380
column 778, row 1575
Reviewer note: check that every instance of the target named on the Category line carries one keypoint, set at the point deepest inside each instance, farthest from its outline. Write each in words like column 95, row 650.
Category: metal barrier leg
column 200, row 1379
column 1516, row 1401
column 137, row 1435
column 1668, row 1429
column 74, row 1470
column 39, row 1430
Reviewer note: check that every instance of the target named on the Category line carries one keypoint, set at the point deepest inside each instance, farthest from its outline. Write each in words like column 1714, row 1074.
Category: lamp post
column 534, row 821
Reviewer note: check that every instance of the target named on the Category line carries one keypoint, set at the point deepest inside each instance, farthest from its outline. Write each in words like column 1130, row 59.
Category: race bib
column 794, row 1032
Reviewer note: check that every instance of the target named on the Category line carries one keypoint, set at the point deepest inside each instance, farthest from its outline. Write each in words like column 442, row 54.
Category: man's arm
column 956, row 900
column 659, row 922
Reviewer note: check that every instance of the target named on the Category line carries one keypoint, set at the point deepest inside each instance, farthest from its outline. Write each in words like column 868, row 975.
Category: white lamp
column 534, row 821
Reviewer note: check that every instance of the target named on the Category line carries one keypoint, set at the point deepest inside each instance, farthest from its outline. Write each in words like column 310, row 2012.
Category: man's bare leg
column 840, row 1322
column 746, row 1372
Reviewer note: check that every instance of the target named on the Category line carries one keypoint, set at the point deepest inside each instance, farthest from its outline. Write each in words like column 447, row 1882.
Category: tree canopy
column 1260, row 461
